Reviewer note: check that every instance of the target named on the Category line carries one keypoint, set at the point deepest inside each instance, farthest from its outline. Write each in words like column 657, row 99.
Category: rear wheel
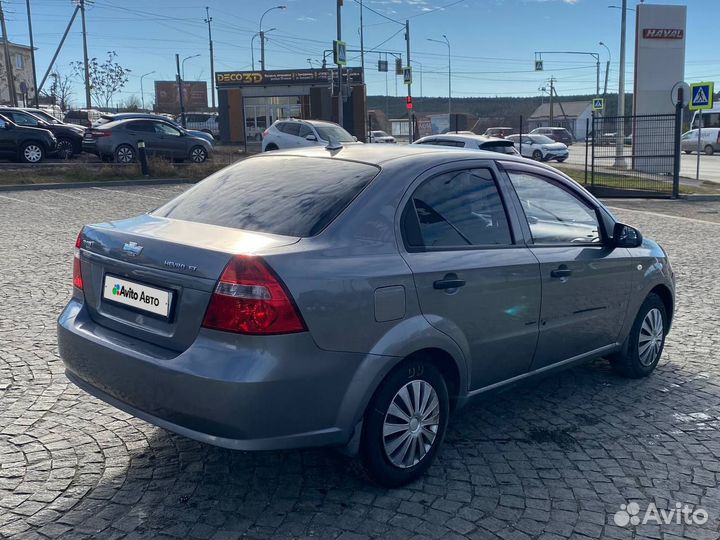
column 271, row 147
column 644, row 346
column 537, row 155
column 65, row 149
column 32, row 152
column 405, row 423
column 124, row 154
column 688, row 151
column 198, row 154
column 709, row 150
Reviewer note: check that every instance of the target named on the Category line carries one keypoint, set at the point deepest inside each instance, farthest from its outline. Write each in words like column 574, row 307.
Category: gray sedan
column 118, row 141
column 354, row 297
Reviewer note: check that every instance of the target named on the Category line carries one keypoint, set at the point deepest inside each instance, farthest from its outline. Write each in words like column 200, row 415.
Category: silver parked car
column 355, row 297
column 118, row 141
column 294, row 133
column 540, row 147
column 470, row 140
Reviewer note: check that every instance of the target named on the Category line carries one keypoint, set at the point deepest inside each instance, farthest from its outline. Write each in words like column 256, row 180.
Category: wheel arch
column 667, row 299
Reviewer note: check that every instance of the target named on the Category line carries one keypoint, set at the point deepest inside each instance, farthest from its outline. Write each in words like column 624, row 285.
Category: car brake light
column 77, row 276
column 250, row 299
column 100, row 133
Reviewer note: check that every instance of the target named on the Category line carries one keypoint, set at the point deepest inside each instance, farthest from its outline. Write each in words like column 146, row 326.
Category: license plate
column 137, row 296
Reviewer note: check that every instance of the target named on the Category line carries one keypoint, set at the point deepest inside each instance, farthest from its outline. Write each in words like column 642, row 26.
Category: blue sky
column 493, row 41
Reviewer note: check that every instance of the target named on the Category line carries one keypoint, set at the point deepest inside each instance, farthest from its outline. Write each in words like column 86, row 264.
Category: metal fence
column 634, row 156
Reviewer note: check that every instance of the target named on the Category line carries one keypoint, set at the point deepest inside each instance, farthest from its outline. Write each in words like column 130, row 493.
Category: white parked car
column 294, row 133
column 540, row 147
column 206, row 122
column 470, row 140
column 380, row 137
column 709, row 141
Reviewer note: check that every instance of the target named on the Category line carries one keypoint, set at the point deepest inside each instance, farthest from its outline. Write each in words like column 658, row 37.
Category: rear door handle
column 449, row 282
column 561, row 272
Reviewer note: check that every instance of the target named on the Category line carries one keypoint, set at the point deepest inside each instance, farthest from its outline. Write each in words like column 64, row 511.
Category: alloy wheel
column 125, row 154
column 411, row 424
column 32, row 153
column 198, row 155
column 64, row 149
column 651, row 337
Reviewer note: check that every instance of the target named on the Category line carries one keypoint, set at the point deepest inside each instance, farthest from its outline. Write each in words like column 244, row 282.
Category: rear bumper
column 238, row 392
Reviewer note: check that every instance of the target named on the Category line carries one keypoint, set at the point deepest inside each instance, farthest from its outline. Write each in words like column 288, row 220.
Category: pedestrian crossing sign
column 701, row 96
column 598, row 104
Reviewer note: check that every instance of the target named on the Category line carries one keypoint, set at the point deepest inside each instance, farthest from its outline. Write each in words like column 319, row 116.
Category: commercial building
column 22, row 73
column 571, row 115
column 250, row 101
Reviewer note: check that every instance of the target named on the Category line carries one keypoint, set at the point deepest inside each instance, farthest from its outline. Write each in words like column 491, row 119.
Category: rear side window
column 293, row 196
column 289, row 128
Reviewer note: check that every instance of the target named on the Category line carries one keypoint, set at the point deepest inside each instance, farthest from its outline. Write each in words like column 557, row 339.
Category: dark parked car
column 69, row 137
column 107, row 117
column 557, row 134
column 118, row 141
column 82, row 117
column 354, row 296
column 23, row 143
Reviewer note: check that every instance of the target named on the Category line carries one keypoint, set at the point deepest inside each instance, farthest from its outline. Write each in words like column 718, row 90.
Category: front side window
column 164, row 129
column 305, row 131
column 555, row 215
column 23, row 119
column 459, row 209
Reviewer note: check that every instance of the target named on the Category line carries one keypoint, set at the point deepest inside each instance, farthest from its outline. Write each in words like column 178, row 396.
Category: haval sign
column 663, row 33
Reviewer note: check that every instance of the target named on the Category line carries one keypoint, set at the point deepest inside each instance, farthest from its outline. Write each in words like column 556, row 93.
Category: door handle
column 450, row 281
column 561, row 272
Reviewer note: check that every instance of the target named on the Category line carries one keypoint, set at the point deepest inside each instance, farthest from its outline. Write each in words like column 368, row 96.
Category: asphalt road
column 553, row 458
column 709, row 165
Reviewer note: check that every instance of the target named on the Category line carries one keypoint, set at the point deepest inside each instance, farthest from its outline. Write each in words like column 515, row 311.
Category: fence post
column 521, row 132
column 587, row 134
column 592, row 159
column 142, row 156
column 676, row 152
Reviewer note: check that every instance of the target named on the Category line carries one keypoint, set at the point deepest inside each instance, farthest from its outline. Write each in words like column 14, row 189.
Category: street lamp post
column 261, row 33
column 620, row 141
column 142, row 92
column 607, row 67
column 252, row 45
column 182, row 69
column 447, row 43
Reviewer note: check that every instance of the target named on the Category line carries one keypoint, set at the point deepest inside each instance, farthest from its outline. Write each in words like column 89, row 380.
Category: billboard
column 167, row 98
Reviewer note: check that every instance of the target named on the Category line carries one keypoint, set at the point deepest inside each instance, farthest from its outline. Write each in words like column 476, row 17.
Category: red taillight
column 77, row 276
column 251, row 299
column 97, row 133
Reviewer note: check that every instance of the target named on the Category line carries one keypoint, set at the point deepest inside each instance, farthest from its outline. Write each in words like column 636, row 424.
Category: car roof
column 461, row 137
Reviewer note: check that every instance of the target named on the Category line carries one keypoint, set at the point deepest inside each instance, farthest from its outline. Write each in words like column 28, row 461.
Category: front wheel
column 405, row 423
column 32, row 152
column 709, row 150
column 644, row 346
column 65, row 149
column 560, row 160
column 198, row 154
column 537, row 155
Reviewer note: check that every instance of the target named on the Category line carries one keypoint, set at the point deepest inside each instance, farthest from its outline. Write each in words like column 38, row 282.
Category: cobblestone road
column 552, row 459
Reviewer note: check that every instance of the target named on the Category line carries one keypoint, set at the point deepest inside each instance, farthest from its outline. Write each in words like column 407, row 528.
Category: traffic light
column 398, row 66
column 409, row 103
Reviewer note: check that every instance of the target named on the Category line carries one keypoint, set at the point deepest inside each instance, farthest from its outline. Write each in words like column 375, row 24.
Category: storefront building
column 250, row 101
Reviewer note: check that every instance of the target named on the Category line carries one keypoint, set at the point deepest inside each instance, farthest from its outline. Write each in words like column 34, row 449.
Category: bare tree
column 61, row 89
column 131, row 104
column 106, row 78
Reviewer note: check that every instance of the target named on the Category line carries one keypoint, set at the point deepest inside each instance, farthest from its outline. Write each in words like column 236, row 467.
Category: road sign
column 598, row 104
column 407, row 75
column 701, row 96
column 339, row 52
column 538, row 65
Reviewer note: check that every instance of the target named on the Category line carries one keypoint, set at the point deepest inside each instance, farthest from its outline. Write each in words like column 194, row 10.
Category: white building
column 571, row 115
column 22, row 73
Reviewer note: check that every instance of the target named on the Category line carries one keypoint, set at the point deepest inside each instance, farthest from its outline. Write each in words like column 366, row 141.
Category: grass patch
column 78, row 171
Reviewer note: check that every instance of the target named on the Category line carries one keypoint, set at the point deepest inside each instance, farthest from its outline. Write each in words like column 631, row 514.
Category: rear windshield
column 293, row 196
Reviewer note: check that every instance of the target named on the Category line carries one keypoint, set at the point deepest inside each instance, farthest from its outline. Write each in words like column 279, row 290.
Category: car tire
column 709, row 150
column 32, row 152
column 65, row 149
column 644, row 346
column 537, row 155
column 270, row 147
column 688, row 151
column 124, row 154
column 411, row 391
column 560, row 160
column 198, row 154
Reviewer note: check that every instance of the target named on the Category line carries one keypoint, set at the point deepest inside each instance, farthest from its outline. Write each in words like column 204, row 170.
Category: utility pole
column 552, row 92
column 180, row 90
column 8, row 60
column 32, row 53
column 208, row 20
column 620, row 141
column 339, row 68
column 262, row 50
column 411, row 112
column 362, row 43
column 88, row 103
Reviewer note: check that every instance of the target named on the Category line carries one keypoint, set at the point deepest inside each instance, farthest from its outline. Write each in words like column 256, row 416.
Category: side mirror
column 354, row 138
column 626, row 236
column 310, row 137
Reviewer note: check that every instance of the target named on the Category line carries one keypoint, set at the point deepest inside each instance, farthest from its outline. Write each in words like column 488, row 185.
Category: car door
column 142, row 130
column 585, row 281
column 475, row 279
column 8, row 146
column 304, row 132
column 171, row 142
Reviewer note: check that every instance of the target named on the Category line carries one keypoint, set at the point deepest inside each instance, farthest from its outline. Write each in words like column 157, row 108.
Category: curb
column 108, row 183
column 691, row 197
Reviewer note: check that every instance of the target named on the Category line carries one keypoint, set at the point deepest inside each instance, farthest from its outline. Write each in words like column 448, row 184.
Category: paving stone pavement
column 554, row 458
